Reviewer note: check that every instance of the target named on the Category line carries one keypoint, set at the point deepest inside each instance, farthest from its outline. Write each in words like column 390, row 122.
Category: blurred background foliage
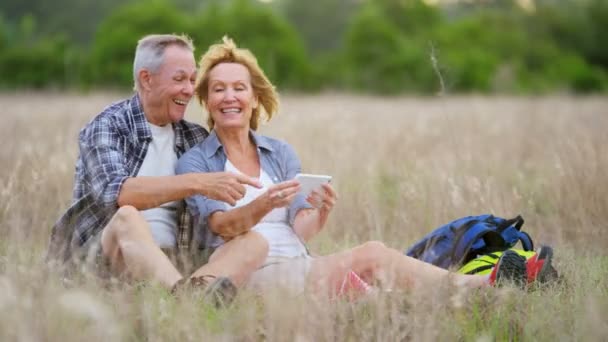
column 376, row 46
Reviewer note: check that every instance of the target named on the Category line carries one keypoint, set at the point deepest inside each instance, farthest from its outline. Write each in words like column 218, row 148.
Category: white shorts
column 287, row 273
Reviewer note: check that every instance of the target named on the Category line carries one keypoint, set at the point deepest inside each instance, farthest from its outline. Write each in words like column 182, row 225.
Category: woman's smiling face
column 231, row 97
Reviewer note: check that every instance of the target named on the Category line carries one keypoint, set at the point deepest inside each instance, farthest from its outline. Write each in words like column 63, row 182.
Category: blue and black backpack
column 456, row 243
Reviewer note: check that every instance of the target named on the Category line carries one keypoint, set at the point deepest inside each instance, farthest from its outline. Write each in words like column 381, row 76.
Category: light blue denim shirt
column 277, row 158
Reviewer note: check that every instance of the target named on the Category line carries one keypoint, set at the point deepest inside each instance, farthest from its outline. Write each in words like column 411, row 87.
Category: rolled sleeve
column 201, row 208
column 293, row 167
column 193, row 162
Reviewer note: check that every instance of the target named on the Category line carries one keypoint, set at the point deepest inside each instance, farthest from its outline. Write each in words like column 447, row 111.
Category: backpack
column 484, row 264
column 462, row 240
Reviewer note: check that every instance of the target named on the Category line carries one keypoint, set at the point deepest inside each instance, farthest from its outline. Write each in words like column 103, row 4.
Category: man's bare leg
column 237, row 259
column 127, row 242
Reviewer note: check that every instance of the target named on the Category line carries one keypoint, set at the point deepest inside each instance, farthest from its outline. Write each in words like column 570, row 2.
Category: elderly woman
column 236, row 93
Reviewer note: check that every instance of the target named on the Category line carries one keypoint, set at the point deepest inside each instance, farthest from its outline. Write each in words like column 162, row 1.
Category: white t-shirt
column 274, row 227
column 160, row 160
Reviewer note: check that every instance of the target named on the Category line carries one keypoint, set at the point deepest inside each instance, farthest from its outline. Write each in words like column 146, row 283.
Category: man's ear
column 145, row 79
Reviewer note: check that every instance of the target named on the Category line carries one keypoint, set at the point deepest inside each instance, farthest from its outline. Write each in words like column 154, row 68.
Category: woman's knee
column 251, row 240
column 258, row 242
column 369, row 254
column 251, row 245
column 372, row 248
column 256, row 245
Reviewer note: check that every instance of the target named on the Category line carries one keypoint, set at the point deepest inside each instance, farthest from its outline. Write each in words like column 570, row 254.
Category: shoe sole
column 221, row 292
column 512, row 268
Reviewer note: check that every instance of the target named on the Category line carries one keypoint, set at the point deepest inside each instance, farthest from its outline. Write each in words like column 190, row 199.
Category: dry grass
column 401, row 167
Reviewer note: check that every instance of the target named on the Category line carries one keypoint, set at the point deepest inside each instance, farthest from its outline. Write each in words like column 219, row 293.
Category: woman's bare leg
column 237, row 259
column 376, row 263
column 128, row 243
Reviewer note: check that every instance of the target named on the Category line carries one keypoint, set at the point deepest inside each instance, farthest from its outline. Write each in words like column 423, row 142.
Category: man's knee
column 123, row 225
column 125, row 214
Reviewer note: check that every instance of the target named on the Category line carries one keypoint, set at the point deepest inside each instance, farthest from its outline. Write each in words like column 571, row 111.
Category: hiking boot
column 511, row 267
column 219, row 291
column 539, row 266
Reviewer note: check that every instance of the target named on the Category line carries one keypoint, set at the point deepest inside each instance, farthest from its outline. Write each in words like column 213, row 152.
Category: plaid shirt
column 112, row 148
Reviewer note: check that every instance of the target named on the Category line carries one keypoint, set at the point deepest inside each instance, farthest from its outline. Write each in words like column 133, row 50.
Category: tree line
column 377, row 46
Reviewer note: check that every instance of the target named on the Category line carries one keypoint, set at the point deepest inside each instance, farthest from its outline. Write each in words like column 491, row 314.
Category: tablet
column 310, row 182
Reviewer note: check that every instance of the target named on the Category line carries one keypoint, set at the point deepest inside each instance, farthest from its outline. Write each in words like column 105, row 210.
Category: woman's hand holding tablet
column 310, row 182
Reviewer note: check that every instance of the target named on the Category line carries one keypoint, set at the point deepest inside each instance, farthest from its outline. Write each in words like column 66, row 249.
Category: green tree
column 577, row 26
column 3, row 33
column 277, row 46
column 321, row 26
column 471, row 50
column 76, row 20
column 28, row 61
column 477, row 53
column 380, row 58
column 45, row 63
column 111, row 60
column 209, row 25
column 546, row 67
column 597, row 53
column 411, row 17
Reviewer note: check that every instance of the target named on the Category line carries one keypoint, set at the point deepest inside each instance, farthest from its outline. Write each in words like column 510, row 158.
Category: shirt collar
column 260, row 141
column 180, row 140
column 213, row 144
column 142, row 129
column 140, row 123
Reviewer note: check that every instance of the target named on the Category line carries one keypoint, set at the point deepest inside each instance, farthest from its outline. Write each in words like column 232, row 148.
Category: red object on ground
column 353, row 287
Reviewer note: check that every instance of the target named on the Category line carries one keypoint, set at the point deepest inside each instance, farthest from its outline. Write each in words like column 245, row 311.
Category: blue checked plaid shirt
column 112, row 148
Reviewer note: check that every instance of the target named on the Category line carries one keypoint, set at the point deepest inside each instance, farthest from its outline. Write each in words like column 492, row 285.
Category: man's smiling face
column 172, row 86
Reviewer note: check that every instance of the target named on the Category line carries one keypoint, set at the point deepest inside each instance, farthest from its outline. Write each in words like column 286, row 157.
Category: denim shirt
column 277, row 158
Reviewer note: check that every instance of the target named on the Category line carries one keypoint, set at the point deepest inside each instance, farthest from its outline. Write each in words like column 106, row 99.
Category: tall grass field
column 401, row 166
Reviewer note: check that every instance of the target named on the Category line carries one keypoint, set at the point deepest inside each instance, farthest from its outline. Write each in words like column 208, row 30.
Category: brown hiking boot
column 219, row 291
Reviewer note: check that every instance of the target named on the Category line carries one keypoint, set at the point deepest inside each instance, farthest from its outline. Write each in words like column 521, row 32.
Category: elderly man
column 128, row 216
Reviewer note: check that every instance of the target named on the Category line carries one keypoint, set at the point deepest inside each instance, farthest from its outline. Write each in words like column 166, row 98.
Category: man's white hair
column 150, row 52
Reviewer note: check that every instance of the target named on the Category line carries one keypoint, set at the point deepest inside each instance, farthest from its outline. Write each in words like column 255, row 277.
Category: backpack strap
column 465, row 241
column 526, row 241
column 523, row 237
column 516, row 222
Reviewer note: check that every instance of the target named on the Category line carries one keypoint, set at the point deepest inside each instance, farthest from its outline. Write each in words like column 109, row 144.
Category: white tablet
column 309, row 182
